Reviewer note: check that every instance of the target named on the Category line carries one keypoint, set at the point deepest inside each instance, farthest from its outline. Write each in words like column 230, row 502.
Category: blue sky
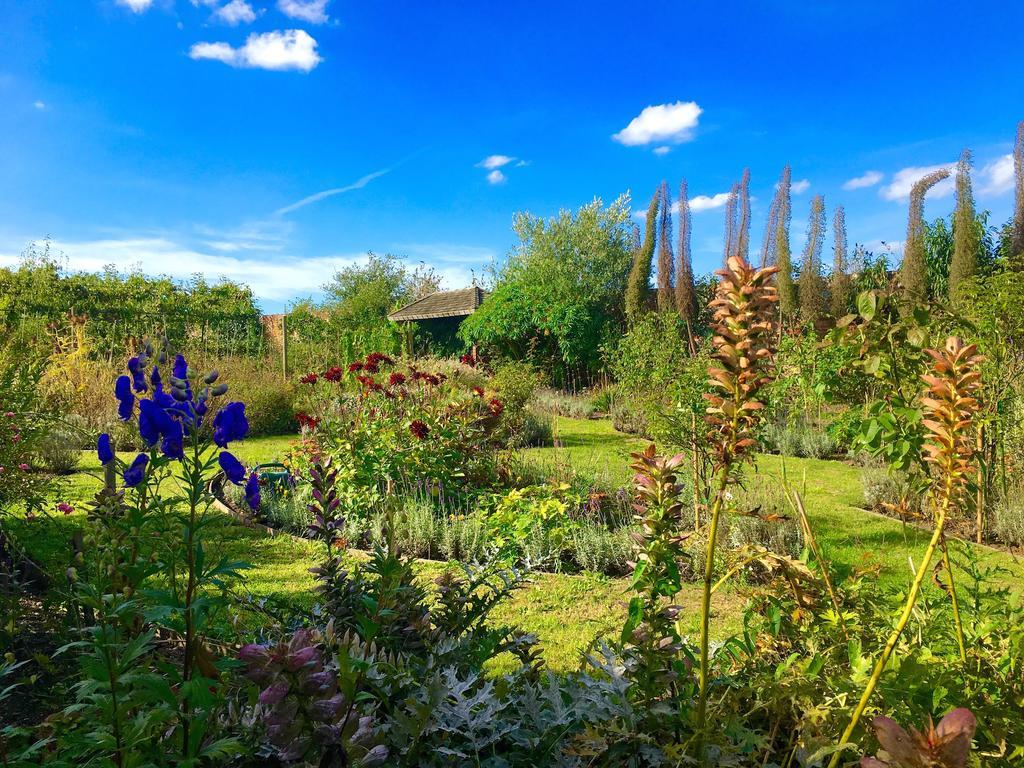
column 273, row 141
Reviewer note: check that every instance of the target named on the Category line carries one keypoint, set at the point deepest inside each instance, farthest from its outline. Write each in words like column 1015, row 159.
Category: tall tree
column 686, row 292
column 964, row 264
column 666, row 259
column 783, row 256
column 639, row 283
column 1017, row 240
column 729, row 248
column 812, row 287
column 913, row 272
column 842, row 287
column 743, row 231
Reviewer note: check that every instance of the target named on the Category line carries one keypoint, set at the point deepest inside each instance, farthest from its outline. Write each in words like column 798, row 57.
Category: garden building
column 433, row 321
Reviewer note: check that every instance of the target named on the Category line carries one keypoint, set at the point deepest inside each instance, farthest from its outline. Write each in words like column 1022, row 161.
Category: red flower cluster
column 419, row 429
column 306, row 421
column 428, row 378
column 379, row 358
column 478, row 391
column 396, row 379
column 496, row 406
column 355, row 367
column 333, row 374
column 310, row 378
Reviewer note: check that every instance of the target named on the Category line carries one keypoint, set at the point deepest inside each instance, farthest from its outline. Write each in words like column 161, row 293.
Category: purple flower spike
column 135, row 368
column 134, row 474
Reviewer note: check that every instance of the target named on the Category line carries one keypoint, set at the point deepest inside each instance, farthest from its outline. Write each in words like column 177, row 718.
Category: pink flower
column 9, row 414
column 66, row 508
column 23, row 467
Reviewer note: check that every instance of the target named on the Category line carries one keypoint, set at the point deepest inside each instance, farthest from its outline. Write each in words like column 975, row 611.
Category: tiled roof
column 459, row 303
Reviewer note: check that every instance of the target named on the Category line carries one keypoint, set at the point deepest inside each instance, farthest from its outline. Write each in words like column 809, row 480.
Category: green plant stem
column 948, row 563
column 890, row 645
column 705, row 612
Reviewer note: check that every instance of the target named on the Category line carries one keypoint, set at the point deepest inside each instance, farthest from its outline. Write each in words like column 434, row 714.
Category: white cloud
column 496, row 177
column 662, row 150
column 277, row 279
column 39, row 104
column 799, row 187
column 878, row 247
column 698, row 204
column 358, row 184
column 495, row 161
column 136, row 6
column 904, row 179
column 312, row 11
column 997, row 177
column 235, row 12
column 290, row 49
column 868, row 179
column 663, row 123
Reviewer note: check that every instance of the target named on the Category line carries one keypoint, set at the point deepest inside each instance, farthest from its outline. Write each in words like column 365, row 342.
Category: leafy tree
column 783, row 257
column 913, row 272
column 362, row 295
column 640, row 274
column 558, row 297
column 686, row 298
column 841, row 287
column 964, row 263
column 666, row 259
column 812, row 287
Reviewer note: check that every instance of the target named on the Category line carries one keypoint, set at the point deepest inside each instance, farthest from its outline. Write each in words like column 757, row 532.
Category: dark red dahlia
column 478, row 391
column 306, row 421
column 333, row 374
column 355, row 367
column 419, row 429
column 396, row 379
column 310, row 378
column 496, row 406
column 378, row 358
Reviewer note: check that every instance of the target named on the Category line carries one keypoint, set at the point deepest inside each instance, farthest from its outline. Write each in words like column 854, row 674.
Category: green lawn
column 565, row 611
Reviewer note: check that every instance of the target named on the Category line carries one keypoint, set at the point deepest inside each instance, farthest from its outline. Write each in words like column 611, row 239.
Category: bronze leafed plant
column 744, row 327
column 945, row 746
column 950, row 405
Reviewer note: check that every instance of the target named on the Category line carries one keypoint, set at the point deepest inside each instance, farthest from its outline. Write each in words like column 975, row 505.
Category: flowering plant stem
column 948, row 564
column 705, row 608
column 890, row 645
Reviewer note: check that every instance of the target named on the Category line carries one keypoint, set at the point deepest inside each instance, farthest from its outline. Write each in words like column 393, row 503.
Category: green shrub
column 628, row 416
column 563, row 404
column 515, row 385
column 59, row 450
column 1008, row 520
column 269, row 400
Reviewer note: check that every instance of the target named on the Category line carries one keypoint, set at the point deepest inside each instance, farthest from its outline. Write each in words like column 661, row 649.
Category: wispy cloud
column 494, row 161
column 801, row 186
column 236, row 12
column 698, row 204
column 311, row 11
column 39, row 104
column 661, row 124
column 283, row 50
column 358, row 184
column 904, row 179
column 867, row 179
column 136, row 6
column 496, row 177
column 996, row 177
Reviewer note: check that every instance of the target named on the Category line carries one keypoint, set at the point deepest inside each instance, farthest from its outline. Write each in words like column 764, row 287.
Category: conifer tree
column 743, row 231
column 812, row 287
column 686, row 292
column 639, row 281
column 913, row 272
column 842, row 287
column 1017, row 237
column 964, row 264
column 666, row 259
column 783, row 256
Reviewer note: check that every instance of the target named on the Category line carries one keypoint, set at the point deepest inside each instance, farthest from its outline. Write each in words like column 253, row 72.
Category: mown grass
column 566, row 612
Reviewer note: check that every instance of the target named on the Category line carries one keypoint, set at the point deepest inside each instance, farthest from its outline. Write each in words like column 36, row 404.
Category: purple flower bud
column 138, row 376
column 180, row 367
column 103, row 449
column 125, row 398
column 274, row 693
column 327, row 710
column 230, row 424
column 319, row 682
column 232, row 467
column 220, row 389
column 212, row 376
column 134, row 474
column 254, row 653
column 252, row 492
column 303, row 657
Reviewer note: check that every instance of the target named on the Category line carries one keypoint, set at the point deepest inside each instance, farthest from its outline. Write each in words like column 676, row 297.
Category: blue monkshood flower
column 180, row 370
column 125, row 398
column 233, row 469
column 103, row 449
column 154, row 377
column 252, row 492
column 173, row 445
column 135, row 368
column 155, row 422
column 230, row 424
column 134, row 474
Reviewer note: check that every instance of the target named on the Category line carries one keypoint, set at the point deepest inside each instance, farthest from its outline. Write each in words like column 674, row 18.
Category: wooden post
column 284, row 347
